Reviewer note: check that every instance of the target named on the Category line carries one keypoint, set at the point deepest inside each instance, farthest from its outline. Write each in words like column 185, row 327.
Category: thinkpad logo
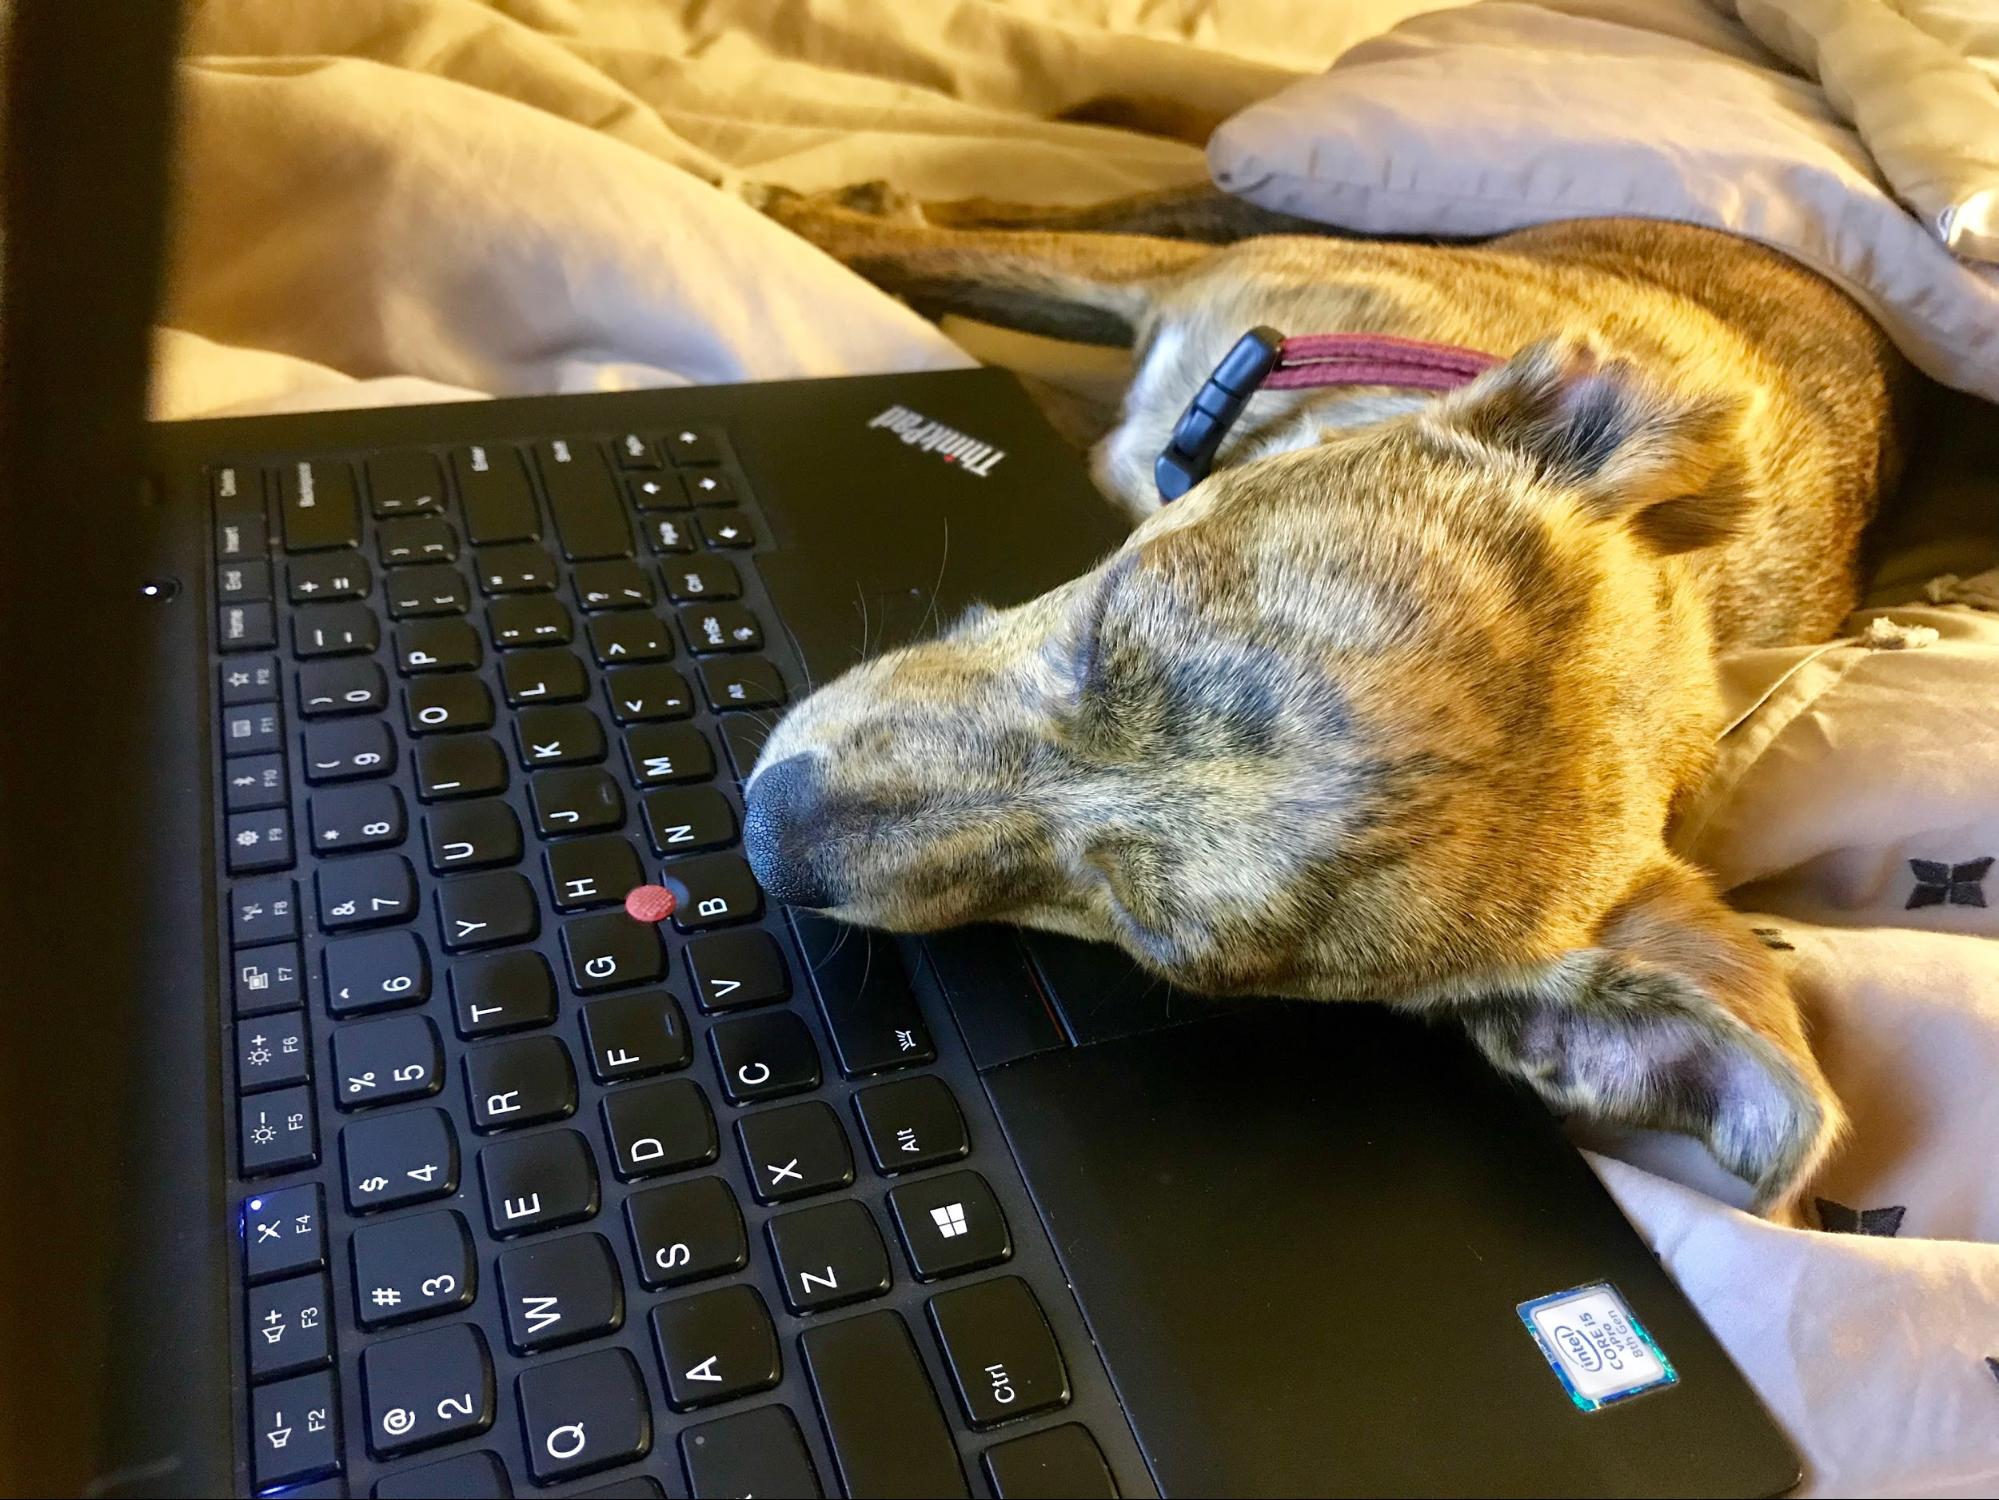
column 949, row 444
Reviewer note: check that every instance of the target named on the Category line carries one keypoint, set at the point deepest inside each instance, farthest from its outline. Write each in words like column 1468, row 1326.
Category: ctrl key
column 295, row 1430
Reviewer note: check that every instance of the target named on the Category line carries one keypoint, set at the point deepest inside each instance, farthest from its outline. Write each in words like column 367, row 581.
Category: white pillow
column 1503, row 115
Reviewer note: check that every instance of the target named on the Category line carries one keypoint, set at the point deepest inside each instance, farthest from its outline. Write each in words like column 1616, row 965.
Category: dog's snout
column 784, row 825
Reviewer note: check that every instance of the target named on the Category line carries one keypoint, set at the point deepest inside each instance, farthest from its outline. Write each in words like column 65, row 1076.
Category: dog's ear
column 1626, row 449
column 1676, row 1019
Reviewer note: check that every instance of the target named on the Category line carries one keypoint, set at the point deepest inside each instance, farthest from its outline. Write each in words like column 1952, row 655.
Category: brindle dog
column 1399, row 702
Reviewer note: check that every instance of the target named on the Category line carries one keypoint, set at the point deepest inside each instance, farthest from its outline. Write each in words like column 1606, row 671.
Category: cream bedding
column 400, row 200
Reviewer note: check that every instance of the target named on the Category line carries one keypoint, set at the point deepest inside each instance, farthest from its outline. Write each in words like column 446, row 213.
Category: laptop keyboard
column 529, row 1190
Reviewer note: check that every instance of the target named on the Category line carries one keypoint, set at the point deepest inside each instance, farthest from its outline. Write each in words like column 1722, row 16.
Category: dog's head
column 1406, row 702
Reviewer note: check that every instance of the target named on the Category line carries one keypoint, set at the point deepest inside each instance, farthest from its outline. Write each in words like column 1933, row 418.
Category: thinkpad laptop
column 363, row 1143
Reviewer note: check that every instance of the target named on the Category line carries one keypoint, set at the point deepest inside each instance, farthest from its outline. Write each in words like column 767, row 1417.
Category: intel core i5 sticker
column 1601, row 1353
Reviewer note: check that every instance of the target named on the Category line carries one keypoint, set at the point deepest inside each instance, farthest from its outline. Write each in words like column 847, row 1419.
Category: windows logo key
column 950, row 1220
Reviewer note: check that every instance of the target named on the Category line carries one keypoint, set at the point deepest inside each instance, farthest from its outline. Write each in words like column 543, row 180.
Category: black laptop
column 363, row 1142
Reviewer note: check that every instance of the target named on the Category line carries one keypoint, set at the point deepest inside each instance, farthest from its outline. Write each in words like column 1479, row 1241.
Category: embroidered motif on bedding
column 1837, row 1218
column 1938, row 883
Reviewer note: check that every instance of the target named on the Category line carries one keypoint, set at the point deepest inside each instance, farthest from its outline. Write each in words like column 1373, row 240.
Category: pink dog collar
column 1264, row 359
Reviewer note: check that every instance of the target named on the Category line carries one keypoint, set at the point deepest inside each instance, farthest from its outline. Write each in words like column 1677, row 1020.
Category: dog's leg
column 1089, row 287
column 1202, row 215
column 1678, row 1019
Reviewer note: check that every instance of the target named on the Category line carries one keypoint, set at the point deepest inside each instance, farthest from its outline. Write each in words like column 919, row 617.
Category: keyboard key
column 417, row 539
column 262, row 911
column 547, row 674
column 523, row 1081
column 711, row 890
column 535, row 620
column 576, row 800
column 386, row 1062
column 612, row 951
column 436, row 645
column 1062, row 1462
column 426, row 1388
column 687, row 819
column 284, row 1232
column 883, row 1424
column 278, row 1131
column 764, row 1057
column 377, row 971
column 619, row 584
column 828, row 1256
column 741, row 682
column 366, row 816
column 445, row 703
column 536, row 1182
column 464, row 1476
column 635, row 1035
column 254, row 783
column 240, row 522
column 654, row 492
column 795, row 1152
column 253, row 729
column 326, row 577
column 502, row 992
column 328, row 689
column 640, row 695
column 586, row 873
column 334, row 630
column 259, row 841
column 291, row 1327
column 743, row 736
column 294, row 1431
column 759, row 1452
column 272, row 1051
column 426, row 589
column 246, row 627
column 413, row 1267
column 471, row 836
column 726, row 528
column 712, row 488
column 667, row 536
column 950, row 1224
column 404, row 483
column 693, row 445
column 686, row 1231
column 493, row 490
column 583, row 498
column 519, row 568
column 715, row 1346
column 720, row 627
column 658, row 1127
column 267, row 979
column 249, row 680
column 393, row 1159
column 563, row 736
column 701, row 579
column 318, row 506
column 584, row 1414
column 486, row 910
column 911, row 1124
column 365, row 892
column 348, row 750
column 1001, row 1352
column 558, row 1292
column 243, row 583
column 864, row 995
column 628, row 637
column 635, row 452
column 736, row 971
column 459, row 766
column 657, row 754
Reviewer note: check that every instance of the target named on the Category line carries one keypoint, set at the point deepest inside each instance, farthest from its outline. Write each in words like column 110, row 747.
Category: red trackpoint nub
column 649, row 903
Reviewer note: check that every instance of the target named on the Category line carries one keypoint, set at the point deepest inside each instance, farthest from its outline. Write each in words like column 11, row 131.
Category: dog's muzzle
column 784, row 833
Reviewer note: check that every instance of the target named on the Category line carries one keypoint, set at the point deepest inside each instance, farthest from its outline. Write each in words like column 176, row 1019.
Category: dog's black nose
column 784, row 824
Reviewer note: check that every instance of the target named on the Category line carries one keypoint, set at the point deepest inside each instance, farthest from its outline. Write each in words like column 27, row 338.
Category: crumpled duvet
column 405, row 200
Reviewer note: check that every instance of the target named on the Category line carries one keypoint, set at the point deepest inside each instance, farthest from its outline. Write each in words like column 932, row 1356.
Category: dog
column 1399, row 702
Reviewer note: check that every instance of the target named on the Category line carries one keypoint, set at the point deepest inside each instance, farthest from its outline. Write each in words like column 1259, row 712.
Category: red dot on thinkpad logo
column 649, row 903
